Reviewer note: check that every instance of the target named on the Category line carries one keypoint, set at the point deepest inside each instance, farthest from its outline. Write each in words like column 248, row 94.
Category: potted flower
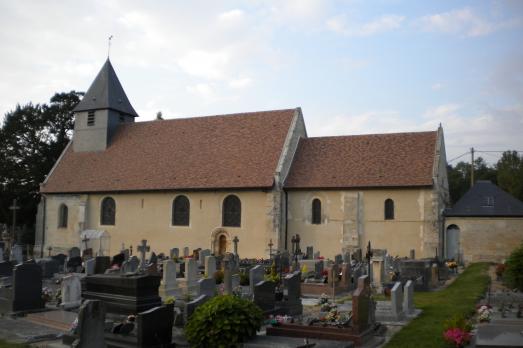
column 484, row 313
column 457, row 331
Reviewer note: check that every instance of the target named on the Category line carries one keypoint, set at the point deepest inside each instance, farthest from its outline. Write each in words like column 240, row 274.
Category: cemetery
column 368, row 298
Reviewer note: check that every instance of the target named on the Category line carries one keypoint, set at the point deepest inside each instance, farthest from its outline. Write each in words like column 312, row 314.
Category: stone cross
column 85, row 240
column 368, row 256
column 235, row 241
column 14, row 208
column 143, row 249
column 270, row 248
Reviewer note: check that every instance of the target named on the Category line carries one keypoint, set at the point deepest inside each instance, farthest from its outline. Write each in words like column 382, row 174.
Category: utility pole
column 471, row 167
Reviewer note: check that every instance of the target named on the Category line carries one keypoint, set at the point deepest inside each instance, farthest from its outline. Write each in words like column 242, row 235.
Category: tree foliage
column 32, row 137
column 507, row 173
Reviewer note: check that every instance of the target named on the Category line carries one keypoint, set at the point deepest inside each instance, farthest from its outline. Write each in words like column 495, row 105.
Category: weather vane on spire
column 109, row 46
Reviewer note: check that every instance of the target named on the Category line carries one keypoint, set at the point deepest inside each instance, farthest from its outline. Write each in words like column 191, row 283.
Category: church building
column 200, row 182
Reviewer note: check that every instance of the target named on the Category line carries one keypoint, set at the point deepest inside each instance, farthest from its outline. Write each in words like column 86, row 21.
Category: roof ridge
column 211, row 116
column 368, row 135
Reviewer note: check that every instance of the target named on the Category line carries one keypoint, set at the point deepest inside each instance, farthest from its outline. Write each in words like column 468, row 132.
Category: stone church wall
column 351, row 217
column 487, row 239
column 149, row 216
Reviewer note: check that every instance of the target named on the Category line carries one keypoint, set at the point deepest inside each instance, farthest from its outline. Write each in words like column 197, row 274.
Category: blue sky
column 354, row 67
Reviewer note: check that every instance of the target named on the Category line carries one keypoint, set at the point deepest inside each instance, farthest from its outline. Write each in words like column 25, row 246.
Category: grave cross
column 368, row 256
column 143, row 249
column 85, row 240
column 270, row 248
column 14, row 208
column 49, row 248
column 235, row 241
column 131, row 250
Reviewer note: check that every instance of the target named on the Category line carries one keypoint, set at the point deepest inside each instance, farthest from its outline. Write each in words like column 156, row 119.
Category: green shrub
column 170, row 300
column 244, row 278
column 223, row 321
column 513, row 274
column 218, row 276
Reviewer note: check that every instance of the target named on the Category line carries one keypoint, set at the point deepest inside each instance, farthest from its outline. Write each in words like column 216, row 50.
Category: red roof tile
column 228, row 151
column 378, row 160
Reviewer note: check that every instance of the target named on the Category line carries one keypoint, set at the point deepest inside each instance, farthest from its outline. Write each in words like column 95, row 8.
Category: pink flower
column 457, row 336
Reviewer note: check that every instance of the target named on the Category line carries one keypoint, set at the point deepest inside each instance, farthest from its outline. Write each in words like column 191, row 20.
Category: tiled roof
column 377, row 160
column 214, row 152
column 485, row 199
column 106, row 92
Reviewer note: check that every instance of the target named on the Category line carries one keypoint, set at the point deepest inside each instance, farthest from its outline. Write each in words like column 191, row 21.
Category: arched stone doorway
column 452, row 242
column 219, row 241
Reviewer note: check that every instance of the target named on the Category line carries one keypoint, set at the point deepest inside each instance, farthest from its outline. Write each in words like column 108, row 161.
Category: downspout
column 43, row 227
column 286, row 217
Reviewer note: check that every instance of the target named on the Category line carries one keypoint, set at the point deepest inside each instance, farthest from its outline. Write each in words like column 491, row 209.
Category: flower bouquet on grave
column 452, row 265
column 457, row 331
column 484, row 313
column 280, row 319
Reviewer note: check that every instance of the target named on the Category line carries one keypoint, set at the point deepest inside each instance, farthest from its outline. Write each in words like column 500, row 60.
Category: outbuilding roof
column 485, row 199
column 376, row 160
column 214, row 152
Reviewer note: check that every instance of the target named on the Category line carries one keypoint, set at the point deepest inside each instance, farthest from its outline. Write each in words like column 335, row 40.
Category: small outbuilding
column 486, row 224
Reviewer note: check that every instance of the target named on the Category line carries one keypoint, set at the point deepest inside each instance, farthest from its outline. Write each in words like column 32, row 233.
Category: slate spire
column 106, row 92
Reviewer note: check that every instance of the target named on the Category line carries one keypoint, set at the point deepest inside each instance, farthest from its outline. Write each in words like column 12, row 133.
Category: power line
column 455, row 158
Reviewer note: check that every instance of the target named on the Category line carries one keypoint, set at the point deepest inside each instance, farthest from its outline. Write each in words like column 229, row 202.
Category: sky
column 354, row 67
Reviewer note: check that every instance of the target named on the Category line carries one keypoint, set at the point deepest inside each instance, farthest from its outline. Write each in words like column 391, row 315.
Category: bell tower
column 101, row 110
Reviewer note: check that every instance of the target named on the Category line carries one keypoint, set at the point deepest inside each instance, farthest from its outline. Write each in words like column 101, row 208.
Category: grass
column 459, row 298
column 5, row 344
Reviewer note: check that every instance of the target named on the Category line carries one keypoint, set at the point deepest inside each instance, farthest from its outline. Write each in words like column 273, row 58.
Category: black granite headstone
column 26, row 292
column 101, row 264
column 6, row 268
column 49, row 267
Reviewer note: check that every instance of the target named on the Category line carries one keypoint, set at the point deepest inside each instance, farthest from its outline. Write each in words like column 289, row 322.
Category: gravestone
column 89, row 266
column 361, row 305
column 73, row 263
column 126, row 254
column 1, row 254
column 310, row 252
column 154, row 327
column 74, row 252
column 143, row 249
column 174, row 253
column 207, row 287
column 378, row 271
column 17, row 254
column 434, row 276
column 292, row 285
column 71, row 292
column 202, row 255
column 186, row 252
column 49, row 267
column 168, row 284
column 190, row 307
column 419, row 271
column 346, row 257
column 315, row 266
column 408, row 299
column 60, row 258
column 412, row 254
column 396, row 297
column 25, row 294
column 102, row 263
column 210, row 266
column 118, row 260
column 191, row 272
column 317, row 255
column 124, row 294
column 131, row 265
column 153, row 259
column 256, row 275
column 263, row 295
column 91, row 325
column 338, row 259
column 235, row 281
column 6, row 268
column 227, row 277
column 346, row 278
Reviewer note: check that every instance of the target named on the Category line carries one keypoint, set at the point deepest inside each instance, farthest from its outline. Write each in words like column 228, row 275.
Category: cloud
column 232, row 16
column 384, row 23
column 240, row 83
column 487, row 128
column 463, row 22
column 437, row 86
column 210, row 65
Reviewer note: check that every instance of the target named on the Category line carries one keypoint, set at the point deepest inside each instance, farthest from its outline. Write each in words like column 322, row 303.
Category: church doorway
column 452, row 242
column 219, row 241
column 222, row 247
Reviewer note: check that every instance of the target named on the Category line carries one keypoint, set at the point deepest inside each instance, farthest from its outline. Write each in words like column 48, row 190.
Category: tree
column 510, row 173
column 32, row 138
column 459, row 177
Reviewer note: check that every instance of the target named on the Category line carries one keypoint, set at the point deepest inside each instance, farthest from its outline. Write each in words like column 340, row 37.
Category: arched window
column 316, row 211
column 108, row 211
column 62, row 216
column 181, row 211
column 389, row 209
column 232, row 211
